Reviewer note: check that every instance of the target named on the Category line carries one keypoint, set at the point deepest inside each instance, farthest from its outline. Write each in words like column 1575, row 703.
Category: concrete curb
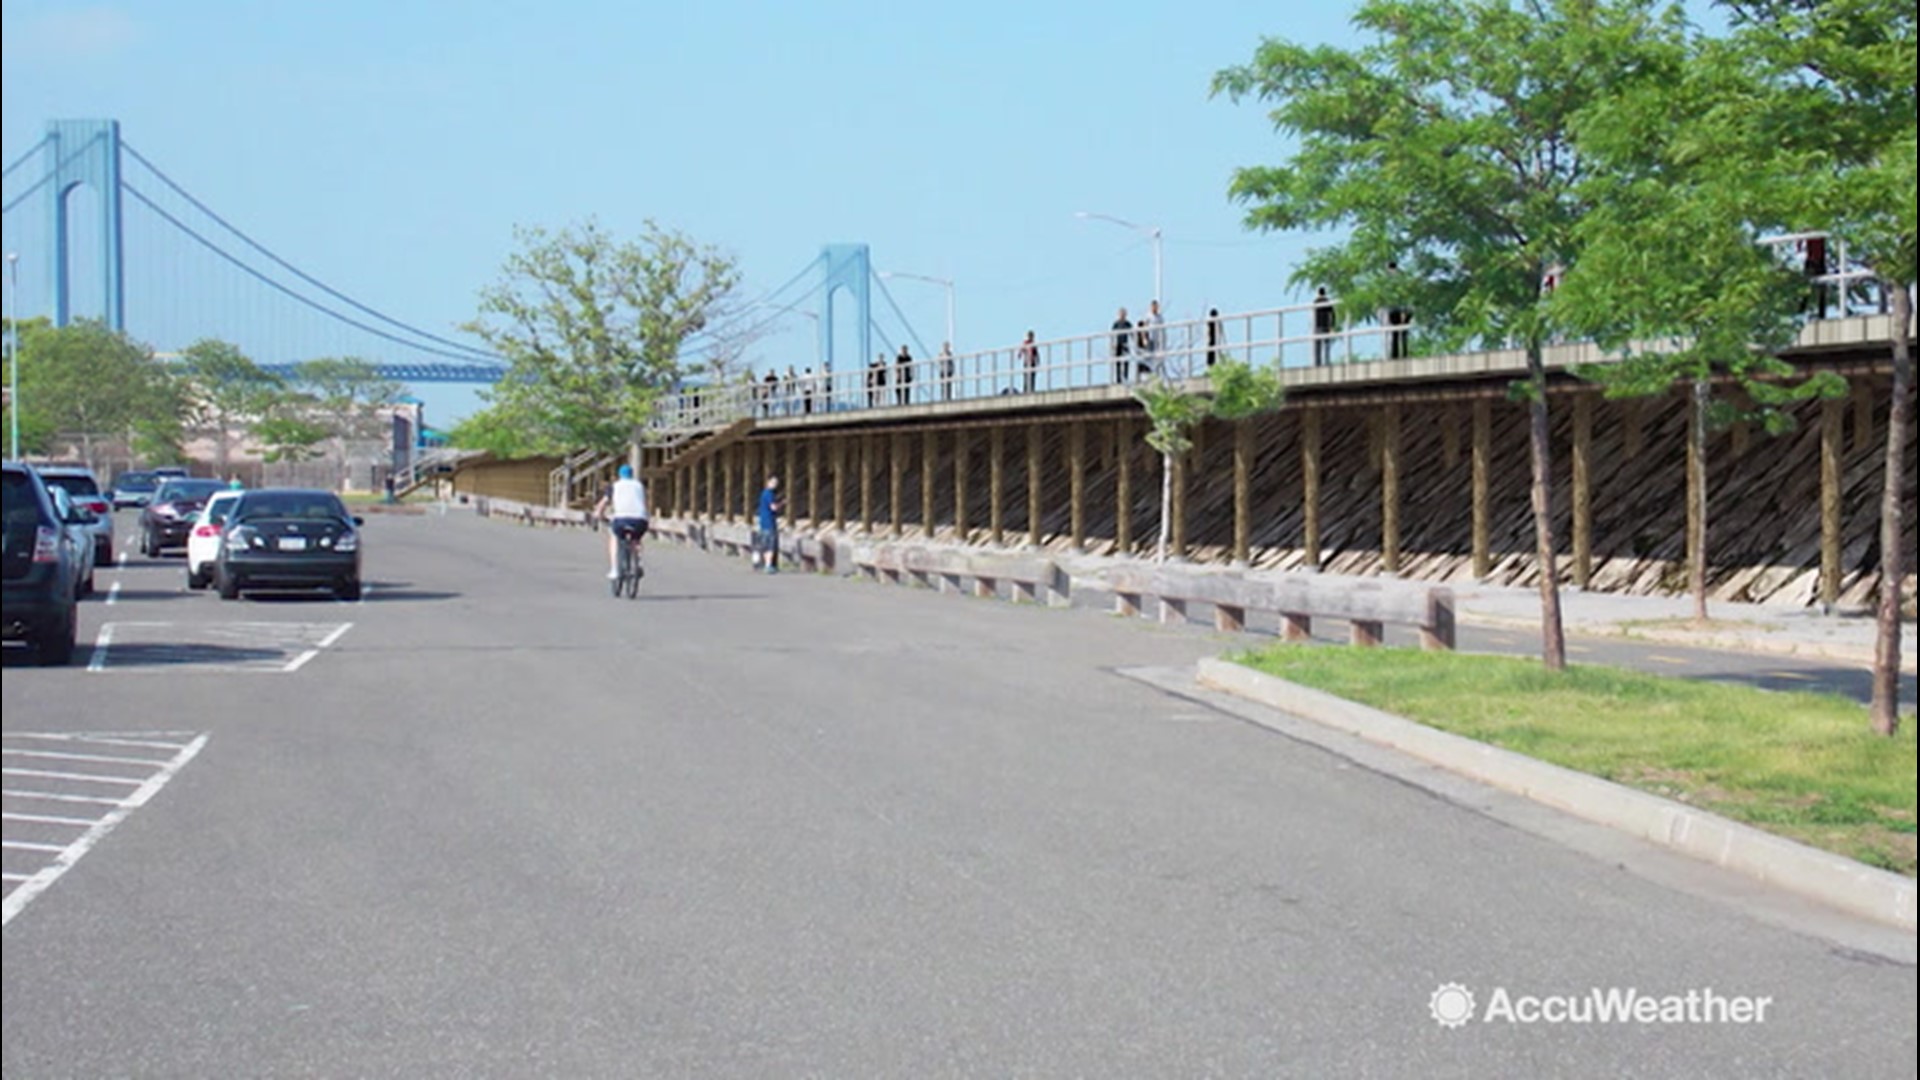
column 1860, row 655
column 1833, row 880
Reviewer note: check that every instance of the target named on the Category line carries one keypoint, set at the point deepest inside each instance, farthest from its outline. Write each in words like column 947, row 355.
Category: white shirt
column 629, row 499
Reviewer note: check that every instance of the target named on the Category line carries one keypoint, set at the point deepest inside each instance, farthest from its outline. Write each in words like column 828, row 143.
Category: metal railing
column 1284, row 337
column 1280, row 336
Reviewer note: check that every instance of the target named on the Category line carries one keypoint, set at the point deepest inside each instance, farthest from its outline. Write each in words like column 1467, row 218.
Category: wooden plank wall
column 1765, row 491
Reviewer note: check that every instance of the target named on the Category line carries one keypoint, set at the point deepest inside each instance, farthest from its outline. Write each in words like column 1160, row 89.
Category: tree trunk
column 1885, row 712
column 1553, row 638
column 1166, row 506
column 1697, row 499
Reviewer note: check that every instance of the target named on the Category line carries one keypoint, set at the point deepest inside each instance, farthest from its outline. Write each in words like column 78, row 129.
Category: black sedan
column 165, row 521
column 289, row 538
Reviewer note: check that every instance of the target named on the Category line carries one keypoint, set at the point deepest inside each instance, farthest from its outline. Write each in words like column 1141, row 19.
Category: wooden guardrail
column 1029, row 577
column 529, row 513
column 1366, row 606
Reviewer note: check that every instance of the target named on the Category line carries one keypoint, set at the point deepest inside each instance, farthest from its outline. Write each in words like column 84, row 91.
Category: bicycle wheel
column 635, row 571
column 625, row 570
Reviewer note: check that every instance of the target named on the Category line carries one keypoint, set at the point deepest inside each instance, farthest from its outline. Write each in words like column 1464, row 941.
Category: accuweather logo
column 1453, row 1005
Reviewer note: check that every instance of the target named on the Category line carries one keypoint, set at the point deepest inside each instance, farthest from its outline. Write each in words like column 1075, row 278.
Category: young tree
column 344, row 396
column 225, row 392
column 1672, row 275
column 1236, row 391
column 1837, row 129
column 1445, row 147
column 593, row 327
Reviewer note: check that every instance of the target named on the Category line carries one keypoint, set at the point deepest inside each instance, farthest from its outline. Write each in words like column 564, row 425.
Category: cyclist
column 628, row 500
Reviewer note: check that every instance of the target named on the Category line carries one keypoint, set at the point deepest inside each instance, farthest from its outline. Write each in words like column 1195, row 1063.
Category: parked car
column 165, row 521
column 135, row 488
column 79, row 482
column 39, row 568
column 203, row 541
column 79, row 526
column 132, row 490
column 289, row 538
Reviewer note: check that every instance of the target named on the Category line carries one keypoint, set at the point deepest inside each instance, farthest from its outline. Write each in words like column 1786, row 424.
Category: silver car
column 84, row 489
column 78, row 521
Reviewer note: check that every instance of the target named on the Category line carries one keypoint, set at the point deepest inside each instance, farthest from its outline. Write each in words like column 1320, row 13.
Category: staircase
column 692, row 448
column 576, row 481
column 427, row 467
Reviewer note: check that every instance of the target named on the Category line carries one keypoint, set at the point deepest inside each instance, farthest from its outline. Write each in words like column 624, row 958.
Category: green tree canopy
column 224, row 392
column 88, row 383
column 593, row 327
column 1444, row 149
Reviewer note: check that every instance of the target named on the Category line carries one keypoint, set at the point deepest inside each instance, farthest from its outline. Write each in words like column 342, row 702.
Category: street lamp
column 1151, row 230
column 13, row 346
column 945, row 283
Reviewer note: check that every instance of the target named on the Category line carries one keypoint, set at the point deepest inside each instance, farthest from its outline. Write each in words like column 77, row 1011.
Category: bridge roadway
column 505, row 825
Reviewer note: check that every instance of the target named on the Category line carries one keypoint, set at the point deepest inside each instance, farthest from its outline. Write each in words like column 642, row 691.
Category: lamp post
column 13, row 346
column 1153, row 231
column 945, row 283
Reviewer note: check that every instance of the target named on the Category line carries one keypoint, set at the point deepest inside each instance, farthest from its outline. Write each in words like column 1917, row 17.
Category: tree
column 1673, row 277
column 290, row 438
column 1445, row 148
column 225, row 392
column 344, row 396
column 505, row 431
column 87, row 382
column 1235, row 392
column 593, row 328
column 1837, row 130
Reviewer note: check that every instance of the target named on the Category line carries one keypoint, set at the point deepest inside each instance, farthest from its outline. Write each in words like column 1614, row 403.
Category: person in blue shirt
column 768, row 527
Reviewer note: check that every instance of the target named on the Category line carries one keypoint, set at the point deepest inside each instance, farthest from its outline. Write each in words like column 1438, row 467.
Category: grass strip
column 1804, row 766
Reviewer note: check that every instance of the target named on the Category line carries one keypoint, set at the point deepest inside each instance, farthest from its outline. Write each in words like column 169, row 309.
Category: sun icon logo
column 1451, row 1005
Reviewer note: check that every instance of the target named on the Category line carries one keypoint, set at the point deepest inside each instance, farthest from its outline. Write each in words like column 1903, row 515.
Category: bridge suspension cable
column 460, row 349
column 898, row 314
column 22, row 159
column 465, row 356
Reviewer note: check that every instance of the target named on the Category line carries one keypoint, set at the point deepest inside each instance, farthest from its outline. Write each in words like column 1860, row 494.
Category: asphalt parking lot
column 489, row 821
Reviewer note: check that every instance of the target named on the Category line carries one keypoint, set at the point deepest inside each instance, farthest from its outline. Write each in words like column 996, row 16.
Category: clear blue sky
column 388, row 147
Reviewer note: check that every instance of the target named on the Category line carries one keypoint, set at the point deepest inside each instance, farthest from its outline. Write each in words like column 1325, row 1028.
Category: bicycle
column 631, row 566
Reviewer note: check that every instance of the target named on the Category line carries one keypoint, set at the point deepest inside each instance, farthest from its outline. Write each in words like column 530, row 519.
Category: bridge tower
column 86, row 152
column 847, row 266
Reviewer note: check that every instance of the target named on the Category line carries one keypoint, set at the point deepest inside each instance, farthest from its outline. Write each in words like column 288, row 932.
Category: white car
column 203, row 538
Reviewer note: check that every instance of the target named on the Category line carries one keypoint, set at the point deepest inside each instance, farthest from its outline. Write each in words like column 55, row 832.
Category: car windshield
column 136, row 481
column 312, row 506
column 189, row 490
column 73, row 485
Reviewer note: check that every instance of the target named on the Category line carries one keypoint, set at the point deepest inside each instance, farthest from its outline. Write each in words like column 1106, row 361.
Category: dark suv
column 39, row 569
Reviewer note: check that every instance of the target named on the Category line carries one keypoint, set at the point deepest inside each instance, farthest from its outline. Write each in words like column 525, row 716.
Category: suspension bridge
column 96, row 229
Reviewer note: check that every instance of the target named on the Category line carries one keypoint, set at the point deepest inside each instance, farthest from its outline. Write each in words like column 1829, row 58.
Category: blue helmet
column 626, row 472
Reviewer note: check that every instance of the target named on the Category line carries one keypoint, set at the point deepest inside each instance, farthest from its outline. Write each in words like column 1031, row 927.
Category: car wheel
column 148, row 547
column 103, row 553
column 85, row 588
column 347, row 590
column 55, row 647
column 196, row 579
column 228, row 584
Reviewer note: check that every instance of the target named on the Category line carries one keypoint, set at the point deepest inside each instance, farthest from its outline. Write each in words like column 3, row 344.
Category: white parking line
column 98, row 662
column 22, row 845
column 49, row 819
column 56, row 797
column 38, row 883
column 134, row 780
column 97, row 758
column 113, row 594
column 14, row 877
column 114, row 739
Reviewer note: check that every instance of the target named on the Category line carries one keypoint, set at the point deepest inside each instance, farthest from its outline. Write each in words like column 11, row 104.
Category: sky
column 390, row 147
